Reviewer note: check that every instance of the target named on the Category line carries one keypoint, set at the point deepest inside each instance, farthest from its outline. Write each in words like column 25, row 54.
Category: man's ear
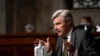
column 88, row 23
column 68, row 23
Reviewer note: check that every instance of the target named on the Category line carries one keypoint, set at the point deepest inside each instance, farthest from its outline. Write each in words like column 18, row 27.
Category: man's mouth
column 58, row 31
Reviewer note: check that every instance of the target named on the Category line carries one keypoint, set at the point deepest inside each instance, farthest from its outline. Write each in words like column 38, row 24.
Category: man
column 78, row 42
column 86, row 24
column 29, row 28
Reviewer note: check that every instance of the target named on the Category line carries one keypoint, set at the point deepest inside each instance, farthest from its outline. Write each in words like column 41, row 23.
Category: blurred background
column 15, row 15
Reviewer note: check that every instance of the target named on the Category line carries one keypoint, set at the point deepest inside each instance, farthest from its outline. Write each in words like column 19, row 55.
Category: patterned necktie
column 65, row 52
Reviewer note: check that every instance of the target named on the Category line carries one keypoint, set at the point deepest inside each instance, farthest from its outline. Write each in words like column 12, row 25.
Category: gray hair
column 29, row 26
column 66, row 14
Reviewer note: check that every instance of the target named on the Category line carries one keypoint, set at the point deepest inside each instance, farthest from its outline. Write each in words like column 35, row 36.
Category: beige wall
column 94, row 13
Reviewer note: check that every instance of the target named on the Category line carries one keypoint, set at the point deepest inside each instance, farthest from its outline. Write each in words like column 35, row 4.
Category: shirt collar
column 69, row 33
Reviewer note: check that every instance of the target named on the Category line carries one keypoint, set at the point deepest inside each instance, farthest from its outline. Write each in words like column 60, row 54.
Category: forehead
column 83, row 19
column 58, row 19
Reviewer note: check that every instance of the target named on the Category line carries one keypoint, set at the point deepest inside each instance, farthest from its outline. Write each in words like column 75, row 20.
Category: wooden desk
column 23, row 44
column 95, row 34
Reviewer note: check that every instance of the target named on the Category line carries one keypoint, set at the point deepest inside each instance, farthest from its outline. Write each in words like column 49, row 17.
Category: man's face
column 83, row 21
column 29, row 30
column 60, row 26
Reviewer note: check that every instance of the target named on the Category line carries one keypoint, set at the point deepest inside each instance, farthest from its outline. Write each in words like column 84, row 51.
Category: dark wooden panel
column 22, row 44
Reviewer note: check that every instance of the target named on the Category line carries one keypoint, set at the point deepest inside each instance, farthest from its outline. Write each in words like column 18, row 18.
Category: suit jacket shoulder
column 83, row 42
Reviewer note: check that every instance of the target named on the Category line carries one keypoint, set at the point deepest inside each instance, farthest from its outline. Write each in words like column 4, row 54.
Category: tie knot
column 65, row 38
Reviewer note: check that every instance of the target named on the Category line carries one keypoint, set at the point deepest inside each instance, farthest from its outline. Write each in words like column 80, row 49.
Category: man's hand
column 44, row 43
column 47, row 44
column 36, row 42
column 68, row 46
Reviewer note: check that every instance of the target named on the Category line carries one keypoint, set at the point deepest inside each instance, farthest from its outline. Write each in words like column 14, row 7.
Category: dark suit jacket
column 81, row 40
column 89, row 28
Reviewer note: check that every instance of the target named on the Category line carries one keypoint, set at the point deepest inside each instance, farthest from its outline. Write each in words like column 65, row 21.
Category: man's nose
column 55, row 28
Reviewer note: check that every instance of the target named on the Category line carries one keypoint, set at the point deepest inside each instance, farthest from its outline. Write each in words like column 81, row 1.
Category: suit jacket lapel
column 59, row 46
column 73, row 38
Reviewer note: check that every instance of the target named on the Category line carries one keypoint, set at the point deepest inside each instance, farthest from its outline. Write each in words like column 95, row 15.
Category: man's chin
column 60, row 35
